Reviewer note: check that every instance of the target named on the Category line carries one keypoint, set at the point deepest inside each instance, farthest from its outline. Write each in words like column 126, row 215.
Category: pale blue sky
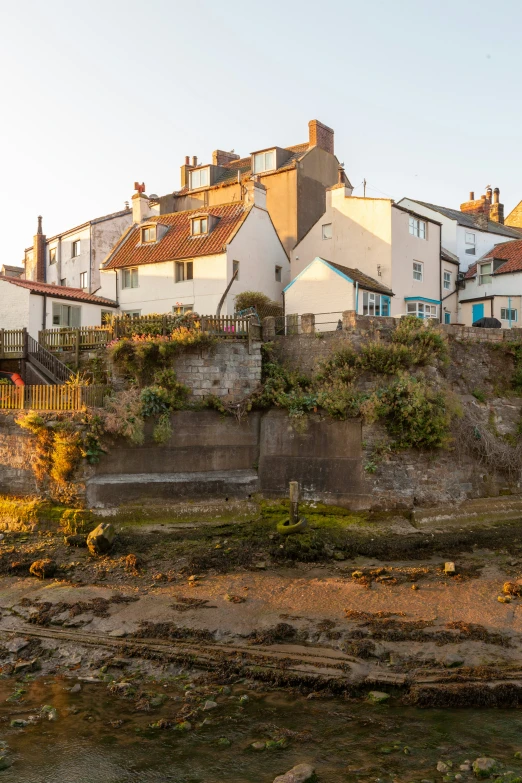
column 424, row 97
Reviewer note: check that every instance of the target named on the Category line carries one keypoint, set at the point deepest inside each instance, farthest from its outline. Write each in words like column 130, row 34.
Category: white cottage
column 493, row 286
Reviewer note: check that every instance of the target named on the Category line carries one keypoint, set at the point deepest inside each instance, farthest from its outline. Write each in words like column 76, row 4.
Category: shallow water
column 344, row 740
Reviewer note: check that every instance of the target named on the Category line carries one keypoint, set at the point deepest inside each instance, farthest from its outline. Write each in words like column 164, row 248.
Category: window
column 129, row 277
column 66, row 315
column 235, row 268
column 417, row 271
column 76, row 248
column 507, row 314
column 485, row 274
column 417, row 228
column 83, row 279
column 199, row 226
column 470, row 243
column 184, row 270
column 199, row 178
column 278, row 271
column 52, row 255
column 264, row 161
column 422, row 309
column 179, row 309
column 148, row 234
column 327, row 231
column 447, row 280
column 375, row 304
column 131, row 313
column 63, row 281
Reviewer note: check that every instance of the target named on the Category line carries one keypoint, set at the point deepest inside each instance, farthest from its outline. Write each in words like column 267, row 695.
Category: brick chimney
column 140, row 204
column 496, row 211
column 38, row 271
column 320, row 135
column 185, row 171
column 221, row 158
column 255, row 193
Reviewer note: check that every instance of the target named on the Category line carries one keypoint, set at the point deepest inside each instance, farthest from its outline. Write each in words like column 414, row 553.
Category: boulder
column 378, row 697
column 43, row 569
column 299, row 774
column 484, row 766
column 101, row 539
column 78, row 540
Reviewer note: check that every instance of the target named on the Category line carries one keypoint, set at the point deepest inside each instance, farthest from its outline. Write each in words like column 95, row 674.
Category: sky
column 424, row 97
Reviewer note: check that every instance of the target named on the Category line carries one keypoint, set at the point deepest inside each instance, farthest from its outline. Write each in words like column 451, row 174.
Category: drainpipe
column 509, row 308
column 356, row 297
column 440, row 273
column 44, row 311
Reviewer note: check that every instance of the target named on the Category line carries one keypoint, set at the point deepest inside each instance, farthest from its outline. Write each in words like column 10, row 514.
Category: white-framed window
column 264, row 161
column 183, row 270
column 327, row 230
column 67, row 315
column 485, row 273
column 131, row 313
column 63, row 281
column 417, row 270
column 422, row 309
column 470, row 241
column 447, row 280
column 83, row 279
column 199, row 226
column 375, row 304
column 507, row 314
column 52, row 255
column 200, row 178
column 417, row 228
column 76, row 248
column 148, row 234
column 179, row 309
column 235, row 268
column 278, row 273
column 129, row 277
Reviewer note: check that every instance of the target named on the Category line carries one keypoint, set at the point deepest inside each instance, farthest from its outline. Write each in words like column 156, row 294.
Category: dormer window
column 199, row 226
column 148, row 234
column 199, row 178
column 264, row 161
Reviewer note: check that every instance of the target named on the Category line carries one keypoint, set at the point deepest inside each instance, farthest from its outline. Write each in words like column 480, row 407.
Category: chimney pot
column 489, row 193
column 496, row 195
column 187, row 160
column 194, row 160
column 472, row 195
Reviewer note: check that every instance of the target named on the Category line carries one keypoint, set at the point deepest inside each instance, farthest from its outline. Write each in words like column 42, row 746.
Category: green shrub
column 424, row 341
column 416, row 416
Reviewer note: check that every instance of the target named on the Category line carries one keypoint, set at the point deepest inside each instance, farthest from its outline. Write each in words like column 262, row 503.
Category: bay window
column 422, row 309
column 375, row 304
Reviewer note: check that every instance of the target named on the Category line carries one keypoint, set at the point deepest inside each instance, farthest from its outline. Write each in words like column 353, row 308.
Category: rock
column 243, row 698
column 101, row 539
column 43, row 569
column 458, row 776
column 357, row 574
column 26, row 666
column 484, row 766
column 79, row 540
column 183, row 726
column 118, row 633
column 224, row 742
column 210, row 705
column 19, row 723
column 378, row 697
column 504, row 599
column 452, row 660
column 449, row 568
column 15, row 645
column 299, row 774
column 258, row 745
column 415, row 587
column 49, row 712
column 512, row 588
column 466, row 767
column 76, row 688
column 443, row 767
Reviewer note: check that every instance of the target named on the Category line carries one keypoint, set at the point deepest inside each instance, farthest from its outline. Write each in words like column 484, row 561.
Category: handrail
column 47, row 362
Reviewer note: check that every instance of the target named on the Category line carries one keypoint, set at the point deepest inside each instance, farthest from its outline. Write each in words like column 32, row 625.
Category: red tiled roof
column 510, row 252
column 59, row 291
column 177, row 242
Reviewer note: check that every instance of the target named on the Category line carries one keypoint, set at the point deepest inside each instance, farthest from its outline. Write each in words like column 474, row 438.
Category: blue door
column 447, row 318
column 477, row 311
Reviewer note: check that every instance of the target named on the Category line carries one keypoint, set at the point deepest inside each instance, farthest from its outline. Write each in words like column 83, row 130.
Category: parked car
column 11, row 378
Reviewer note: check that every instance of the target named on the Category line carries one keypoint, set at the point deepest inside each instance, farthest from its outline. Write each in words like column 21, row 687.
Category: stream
column 100, row 737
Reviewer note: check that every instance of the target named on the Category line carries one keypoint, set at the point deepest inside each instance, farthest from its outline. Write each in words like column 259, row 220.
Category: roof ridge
column 202, row 208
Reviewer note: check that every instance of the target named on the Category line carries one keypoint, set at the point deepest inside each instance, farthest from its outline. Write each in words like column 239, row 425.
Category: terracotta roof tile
column 59, row 291
column 510, row 252
column 178, row 243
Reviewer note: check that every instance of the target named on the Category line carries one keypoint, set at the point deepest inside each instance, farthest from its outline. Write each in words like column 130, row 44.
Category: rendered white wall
column 14, row 306
column 320, row 290
column 406, row 249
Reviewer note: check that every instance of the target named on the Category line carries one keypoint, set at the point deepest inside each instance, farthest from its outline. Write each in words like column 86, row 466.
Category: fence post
column 292, row 324
column 349, row 320
column 308, row 323
column 269, row 329
column 26, row 342
column 77, row 348
column 203, row 323
column 1, row 342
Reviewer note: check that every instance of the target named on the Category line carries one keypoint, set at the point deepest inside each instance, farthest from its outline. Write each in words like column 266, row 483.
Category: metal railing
column 46, row 362
column 52, row 398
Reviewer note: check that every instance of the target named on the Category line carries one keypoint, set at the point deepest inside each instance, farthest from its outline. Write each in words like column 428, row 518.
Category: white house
column 327, row 288
column 184, row 261
column 391, row 244
column 471, row 231
column 73, row 257
column 493, row 286
column 34, row 306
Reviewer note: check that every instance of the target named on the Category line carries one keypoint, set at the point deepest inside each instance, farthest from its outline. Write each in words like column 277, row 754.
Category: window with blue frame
column 375, row 304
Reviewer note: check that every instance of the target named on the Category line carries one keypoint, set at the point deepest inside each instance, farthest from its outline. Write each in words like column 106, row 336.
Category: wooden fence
column 12, row 343
column 52, row 398
column 85, row 338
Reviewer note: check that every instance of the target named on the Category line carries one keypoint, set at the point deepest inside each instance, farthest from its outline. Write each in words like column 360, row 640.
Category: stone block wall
column 16, row 476
column 226, row 370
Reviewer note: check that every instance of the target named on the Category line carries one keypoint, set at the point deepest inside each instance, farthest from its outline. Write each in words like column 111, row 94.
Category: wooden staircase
column 49, row 367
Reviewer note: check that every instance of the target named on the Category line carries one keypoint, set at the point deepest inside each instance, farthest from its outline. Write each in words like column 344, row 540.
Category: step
column 113, row 490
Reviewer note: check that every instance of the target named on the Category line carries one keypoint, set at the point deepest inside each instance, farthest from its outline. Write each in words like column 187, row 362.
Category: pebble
column 449, row 568
column 298, row 774
column 443, row 767
column 504, row 599
column 76, row 688
column 210, row 705
column 258, row 746
column 483, row 766
column 466, row 767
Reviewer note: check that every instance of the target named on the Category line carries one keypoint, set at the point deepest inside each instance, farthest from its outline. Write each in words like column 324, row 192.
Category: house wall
column 501, row 287
column 90, row 313
column 319, row 289
column 406, row 249
column 67, row 267
column 492, row 308
column 104, row 235
column 14, row 306
column 317, row 171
